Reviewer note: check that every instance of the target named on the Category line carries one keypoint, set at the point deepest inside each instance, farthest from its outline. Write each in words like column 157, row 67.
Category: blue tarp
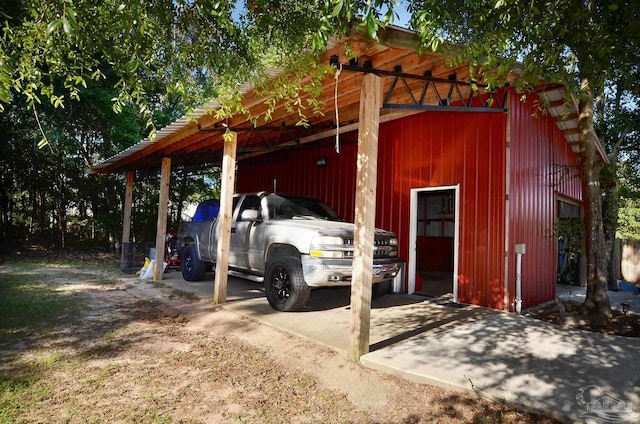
column 627, row 287
column 207, row 211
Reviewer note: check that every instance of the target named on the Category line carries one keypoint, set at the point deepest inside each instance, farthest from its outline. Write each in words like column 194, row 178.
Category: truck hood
column 328, row 228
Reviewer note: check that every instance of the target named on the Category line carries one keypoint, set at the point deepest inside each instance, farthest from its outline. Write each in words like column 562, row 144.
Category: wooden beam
column 127, row 254
column 224, row 217
column 547, row 87
column 161, row 229
column 365, row 215
column 561, row 103
column 128, row 202
column 566, row 118
column 571, row 131
column 392, row 116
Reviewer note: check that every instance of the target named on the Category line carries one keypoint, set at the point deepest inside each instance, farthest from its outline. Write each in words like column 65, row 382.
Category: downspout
column 521, row 249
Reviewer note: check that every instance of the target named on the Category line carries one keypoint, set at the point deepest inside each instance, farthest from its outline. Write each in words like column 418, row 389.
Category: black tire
column 284, row 285
column 380, row 289
column 192, row 267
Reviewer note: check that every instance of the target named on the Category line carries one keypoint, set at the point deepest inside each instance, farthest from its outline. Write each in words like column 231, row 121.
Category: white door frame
column 413, row 235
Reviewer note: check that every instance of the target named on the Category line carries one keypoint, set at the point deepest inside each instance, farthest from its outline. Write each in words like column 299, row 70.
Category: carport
column 379, row 82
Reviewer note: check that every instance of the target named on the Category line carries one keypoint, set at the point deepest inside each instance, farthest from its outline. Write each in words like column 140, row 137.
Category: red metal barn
column 495, row 179
column 462, row 180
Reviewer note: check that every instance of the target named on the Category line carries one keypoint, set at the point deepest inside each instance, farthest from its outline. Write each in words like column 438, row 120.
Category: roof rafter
column 418, row 92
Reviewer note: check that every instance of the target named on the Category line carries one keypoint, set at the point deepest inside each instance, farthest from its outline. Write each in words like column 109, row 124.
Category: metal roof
column 197, row 137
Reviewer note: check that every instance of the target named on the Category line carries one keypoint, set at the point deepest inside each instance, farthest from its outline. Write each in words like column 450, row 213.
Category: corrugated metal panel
column 446, row 148
column 426, row 150
column 296, row 172
column 542, row 167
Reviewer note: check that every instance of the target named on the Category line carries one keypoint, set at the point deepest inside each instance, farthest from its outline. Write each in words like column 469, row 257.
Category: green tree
column 583, row 44
column 618, row 125
column 195, row 48
column 199, row 48
column 67, row 65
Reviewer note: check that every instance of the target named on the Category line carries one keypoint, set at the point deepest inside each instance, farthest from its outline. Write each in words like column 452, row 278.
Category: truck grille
column 378, row 253
column 376, row 242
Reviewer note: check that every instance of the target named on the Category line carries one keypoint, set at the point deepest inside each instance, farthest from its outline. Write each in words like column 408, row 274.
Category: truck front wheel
column 284, row 285
column 192, row 267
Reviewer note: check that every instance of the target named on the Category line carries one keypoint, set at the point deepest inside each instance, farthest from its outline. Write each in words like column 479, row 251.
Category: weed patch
column 27, row 305
column 183, row 295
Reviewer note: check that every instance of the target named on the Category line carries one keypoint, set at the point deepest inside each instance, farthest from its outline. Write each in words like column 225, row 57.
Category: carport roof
column 197, row 138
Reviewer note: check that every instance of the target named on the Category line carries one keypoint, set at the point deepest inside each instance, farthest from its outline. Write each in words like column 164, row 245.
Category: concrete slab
column 326, row 318
column 573, row 375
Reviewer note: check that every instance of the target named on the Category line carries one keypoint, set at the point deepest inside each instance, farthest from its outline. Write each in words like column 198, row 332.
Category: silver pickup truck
column 293, row 243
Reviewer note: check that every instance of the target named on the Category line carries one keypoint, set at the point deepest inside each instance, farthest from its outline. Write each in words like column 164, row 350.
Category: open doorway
column 569, row 238
column 434, row 239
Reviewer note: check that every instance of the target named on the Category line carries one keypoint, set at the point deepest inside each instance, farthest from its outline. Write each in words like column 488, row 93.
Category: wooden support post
column 224, row 227
column 128, row 202
column 127, row 253
column 161, row 229
column 365, row 215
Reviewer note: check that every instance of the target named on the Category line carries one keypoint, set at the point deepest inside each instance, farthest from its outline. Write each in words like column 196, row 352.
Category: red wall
column 448, row 148
column 426, row 150
column 296, row 172
column 538, row 160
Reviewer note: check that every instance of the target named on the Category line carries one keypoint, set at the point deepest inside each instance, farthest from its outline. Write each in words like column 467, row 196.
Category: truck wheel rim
column 281, row 283
column 188, row 265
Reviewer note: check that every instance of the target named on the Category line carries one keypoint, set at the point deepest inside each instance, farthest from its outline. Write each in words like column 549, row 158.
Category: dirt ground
column 140, row 352
column 571, row 315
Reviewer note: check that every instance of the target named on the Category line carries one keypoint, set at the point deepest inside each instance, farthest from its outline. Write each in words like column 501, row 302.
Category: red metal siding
column 539, row 160
column 296, row 172
column 447, row 148
column 426, row 150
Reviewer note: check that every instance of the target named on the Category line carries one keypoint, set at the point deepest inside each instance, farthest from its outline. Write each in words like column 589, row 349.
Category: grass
column 125, row 365
column 31, row 310
column 28, row 303
column 16, row 394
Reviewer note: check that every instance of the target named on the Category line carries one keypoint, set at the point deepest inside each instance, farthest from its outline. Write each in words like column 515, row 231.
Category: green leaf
column 66, row 25
column 337, row 8
column 54, row 25
column 57, row 101
column 71, row 16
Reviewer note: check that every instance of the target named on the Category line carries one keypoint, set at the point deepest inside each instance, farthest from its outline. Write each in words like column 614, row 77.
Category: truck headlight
column 326, row 247
column 393, row 242
column 334, row 254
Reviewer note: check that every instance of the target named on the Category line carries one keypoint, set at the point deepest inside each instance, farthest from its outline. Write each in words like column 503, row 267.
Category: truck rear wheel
column 285, row 286
column 192, row 267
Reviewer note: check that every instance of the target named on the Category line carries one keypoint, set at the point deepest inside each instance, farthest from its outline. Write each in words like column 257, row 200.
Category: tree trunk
column 60, row 204
column 597, row 300
column 62, row 225
column 610, row 207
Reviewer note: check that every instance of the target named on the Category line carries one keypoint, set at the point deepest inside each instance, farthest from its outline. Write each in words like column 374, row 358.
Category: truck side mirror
column 250, row 215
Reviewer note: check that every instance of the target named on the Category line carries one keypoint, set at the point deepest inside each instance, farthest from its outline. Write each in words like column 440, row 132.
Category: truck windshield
column 288, row 207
